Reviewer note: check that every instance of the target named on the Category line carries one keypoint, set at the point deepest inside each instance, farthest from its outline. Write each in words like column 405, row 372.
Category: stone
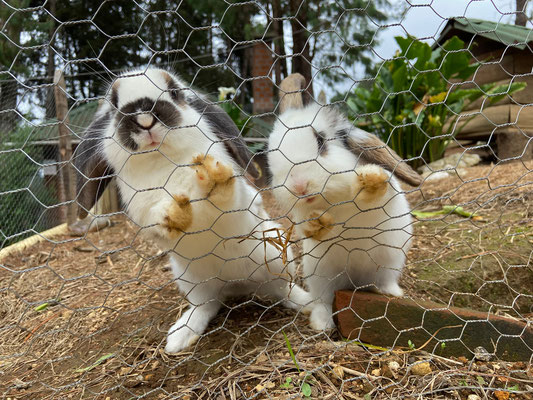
column 423, row 368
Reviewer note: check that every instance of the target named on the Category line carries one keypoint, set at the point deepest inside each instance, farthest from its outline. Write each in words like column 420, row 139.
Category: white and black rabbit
column 339, row 185
column 179, row 164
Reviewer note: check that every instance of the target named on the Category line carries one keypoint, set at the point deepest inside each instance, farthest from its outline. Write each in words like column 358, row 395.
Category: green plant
column 416, row 98
column 243, row 122
column 305, row 387
column 411, row 344
column 287, row 384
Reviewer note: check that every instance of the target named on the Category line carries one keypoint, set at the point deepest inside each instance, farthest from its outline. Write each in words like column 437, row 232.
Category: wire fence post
column 67, row 180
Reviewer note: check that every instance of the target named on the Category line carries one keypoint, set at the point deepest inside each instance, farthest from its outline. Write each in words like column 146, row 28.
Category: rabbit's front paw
column 392, row 289
column 212, row 174
column 372, row 182
column 179, row 339
column 319, row 225
column 178, row 217
column 321, row 318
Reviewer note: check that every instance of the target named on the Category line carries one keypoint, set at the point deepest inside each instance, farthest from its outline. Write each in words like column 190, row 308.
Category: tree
column 19, row 32
column 521, row 18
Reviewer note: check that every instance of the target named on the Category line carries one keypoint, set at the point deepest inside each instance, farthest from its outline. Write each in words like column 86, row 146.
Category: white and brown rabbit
column 340, row 185
column 179, row 163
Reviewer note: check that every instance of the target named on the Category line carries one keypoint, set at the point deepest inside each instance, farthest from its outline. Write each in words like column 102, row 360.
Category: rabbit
column 341, row 186
column 180, row 166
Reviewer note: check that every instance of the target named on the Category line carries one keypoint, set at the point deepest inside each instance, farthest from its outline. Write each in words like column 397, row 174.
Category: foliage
column 24, row 197
column 243, row 122
column 343, row 33
column 415, row 100
column 305, row 387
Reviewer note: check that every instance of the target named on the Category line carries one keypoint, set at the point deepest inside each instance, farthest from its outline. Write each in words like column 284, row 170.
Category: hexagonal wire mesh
column 233, row 248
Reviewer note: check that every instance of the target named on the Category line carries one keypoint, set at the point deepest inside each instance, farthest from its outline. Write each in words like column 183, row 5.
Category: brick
column 382, row 321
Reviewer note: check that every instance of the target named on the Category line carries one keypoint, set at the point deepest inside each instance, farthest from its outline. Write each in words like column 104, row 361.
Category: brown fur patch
column 319, row 225
column 179, row 216
column 373, row 184
column 374, row 151
column 215, row 177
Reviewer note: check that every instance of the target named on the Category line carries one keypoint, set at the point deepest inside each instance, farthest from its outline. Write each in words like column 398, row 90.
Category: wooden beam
column 392, row 322
column 68, row 178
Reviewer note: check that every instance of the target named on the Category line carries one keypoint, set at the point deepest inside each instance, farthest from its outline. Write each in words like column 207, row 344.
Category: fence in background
column 88, row 316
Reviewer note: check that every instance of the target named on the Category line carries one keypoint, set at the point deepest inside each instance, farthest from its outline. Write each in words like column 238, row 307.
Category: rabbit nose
column 146, row 121
column 300, row 187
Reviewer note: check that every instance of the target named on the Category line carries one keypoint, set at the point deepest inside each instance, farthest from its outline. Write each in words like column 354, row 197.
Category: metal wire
column 241, row 260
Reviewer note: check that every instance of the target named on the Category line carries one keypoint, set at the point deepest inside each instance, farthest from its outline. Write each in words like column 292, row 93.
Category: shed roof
column 506, row 34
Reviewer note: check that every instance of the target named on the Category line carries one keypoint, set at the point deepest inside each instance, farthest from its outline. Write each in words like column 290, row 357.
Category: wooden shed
column 506, row 55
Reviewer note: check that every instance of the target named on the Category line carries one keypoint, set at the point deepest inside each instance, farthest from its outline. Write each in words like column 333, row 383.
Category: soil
column 87, row 317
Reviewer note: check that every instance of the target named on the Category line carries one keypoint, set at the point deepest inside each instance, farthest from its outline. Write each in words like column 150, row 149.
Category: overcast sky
column 425, row 20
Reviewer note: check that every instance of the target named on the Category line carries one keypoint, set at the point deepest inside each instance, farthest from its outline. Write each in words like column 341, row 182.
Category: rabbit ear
column 292, row 91
column 93, row 172
column 373, row 151
column 173, row 88
column 228, row 133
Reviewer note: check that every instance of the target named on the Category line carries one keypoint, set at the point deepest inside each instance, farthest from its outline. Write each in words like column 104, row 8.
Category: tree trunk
column 8, row 104
column 521, row 18
column 301, row 61
column 67, row 192
column 51, row 66
column 279, row 42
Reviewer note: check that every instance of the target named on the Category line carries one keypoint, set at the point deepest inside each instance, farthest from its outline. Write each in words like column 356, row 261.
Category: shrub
column 415, row 99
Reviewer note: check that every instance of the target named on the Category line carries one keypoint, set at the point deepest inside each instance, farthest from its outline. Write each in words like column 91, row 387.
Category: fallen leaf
column 421, row 369
column 338, row 372
column 501, row 395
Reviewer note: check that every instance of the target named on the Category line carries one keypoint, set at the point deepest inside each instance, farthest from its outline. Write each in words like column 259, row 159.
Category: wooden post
column 67, row 177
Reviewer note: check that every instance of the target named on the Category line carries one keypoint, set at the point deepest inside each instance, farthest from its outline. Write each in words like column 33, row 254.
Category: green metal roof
column 507, row 34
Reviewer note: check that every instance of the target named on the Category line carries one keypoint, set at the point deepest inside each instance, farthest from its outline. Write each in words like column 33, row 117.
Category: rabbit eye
column 321, row 141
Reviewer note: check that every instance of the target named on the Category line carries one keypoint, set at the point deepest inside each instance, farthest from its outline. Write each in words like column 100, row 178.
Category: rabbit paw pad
column 319, row 225
column 373, row 182
column 179, row 215
column 211, row 172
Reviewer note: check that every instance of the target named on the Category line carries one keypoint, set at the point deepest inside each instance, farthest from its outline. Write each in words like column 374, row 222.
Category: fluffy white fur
column 369, row 239
column 209, row 261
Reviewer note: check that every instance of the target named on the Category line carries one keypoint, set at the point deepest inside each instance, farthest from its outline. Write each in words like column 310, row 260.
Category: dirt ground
column 87, row 317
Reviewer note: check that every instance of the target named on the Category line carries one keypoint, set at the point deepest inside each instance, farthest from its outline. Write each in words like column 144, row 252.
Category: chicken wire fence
column 360, row 229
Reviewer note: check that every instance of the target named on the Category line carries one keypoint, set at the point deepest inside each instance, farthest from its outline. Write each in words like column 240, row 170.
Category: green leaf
column 480, row 380
column 404, row 43
column 454, row 63
column 367, row 396
column 96, row 363
column 290, row 351
column 422, row 52
column 399, row 79
column 504, row 91
column 287, row 384
column 41, row 307
column 454, row 43
column 306, row 389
